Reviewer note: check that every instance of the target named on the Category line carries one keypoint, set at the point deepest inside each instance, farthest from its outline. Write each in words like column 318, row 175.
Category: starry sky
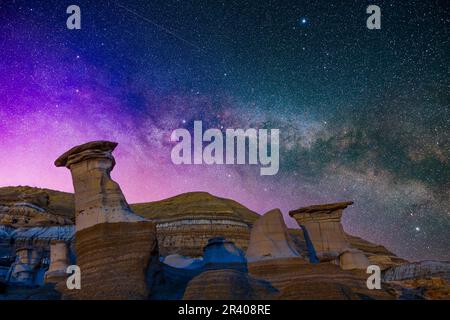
column 363, row 114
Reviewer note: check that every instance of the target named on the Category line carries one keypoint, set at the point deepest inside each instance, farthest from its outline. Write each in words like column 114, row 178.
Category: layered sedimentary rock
column 227, row 284
column 297, row 279
column 186, row 222
column 376, row 254
column 113, row 245
column 270, row 239
column 323, row 229
column 418, row 270
column 32, row 207
column 113, row 258
column 59, row 261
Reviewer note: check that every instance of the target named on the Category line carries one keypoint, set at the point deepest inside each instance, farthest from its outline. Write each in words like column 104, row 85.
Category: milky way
column 363, row 114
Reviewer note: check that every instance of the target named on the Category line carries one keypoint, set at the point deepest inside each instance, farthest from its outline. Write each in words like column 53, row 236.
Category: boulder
column 353, row 259
column 270, row 239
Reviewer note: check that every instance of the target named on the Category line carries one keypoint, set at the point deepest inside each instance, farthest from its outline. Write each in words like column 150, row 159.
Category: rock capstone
column 323, row 228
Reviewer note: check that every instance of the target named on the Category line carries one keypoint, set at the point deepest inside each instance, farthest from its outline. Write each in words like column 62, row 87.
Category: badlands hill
column 194, row 204
column 62, row 204
column 25, row 206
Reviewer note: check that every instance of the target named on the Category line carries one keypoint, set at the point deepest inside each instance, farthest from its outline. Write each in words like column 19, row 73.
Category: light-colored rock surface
column 297, row 279
column 270, row 239
column 324, row 228
column 98, row 199
column 182, row 262
column 59, row 261
column 417, row 270
column 353, row 259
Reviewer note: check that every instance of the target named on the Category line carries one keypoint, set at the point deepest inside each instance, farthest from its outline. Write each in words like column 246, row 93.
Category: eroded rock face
column 113, row 258
column 227, row 284
column 33, row 207
column 270, row 239
column 323, row 228
column 113, row 245
column 98, row 199
column 187, row 221
column 59, row 261
column 23, row 214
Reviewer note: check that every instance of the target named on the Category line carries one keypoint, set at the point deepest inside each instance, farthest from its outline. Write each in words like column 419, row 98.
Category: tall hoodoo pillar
column 98, row 199
column 324, row 229
column 113, row 244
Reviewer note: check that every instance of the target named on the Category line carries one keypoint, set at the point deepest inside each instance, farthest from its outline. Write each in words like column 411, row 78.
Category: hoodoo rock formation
column 23, row 269
column 186, row 222
column 113, row 245
column 98, row 199
column 270, row 239
column 323, row 229
column 202, row 239
column 59, row 261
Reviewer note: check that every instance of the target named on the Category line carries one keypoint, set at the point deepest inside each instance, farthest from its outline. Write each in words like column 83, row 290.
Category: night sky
column 363, row 114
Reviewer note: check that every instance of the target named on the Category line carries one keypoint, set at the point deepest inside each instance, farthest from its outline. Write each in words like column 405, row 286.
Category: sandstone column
column 59, row 261
column 113, row 244
column 323, row 228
